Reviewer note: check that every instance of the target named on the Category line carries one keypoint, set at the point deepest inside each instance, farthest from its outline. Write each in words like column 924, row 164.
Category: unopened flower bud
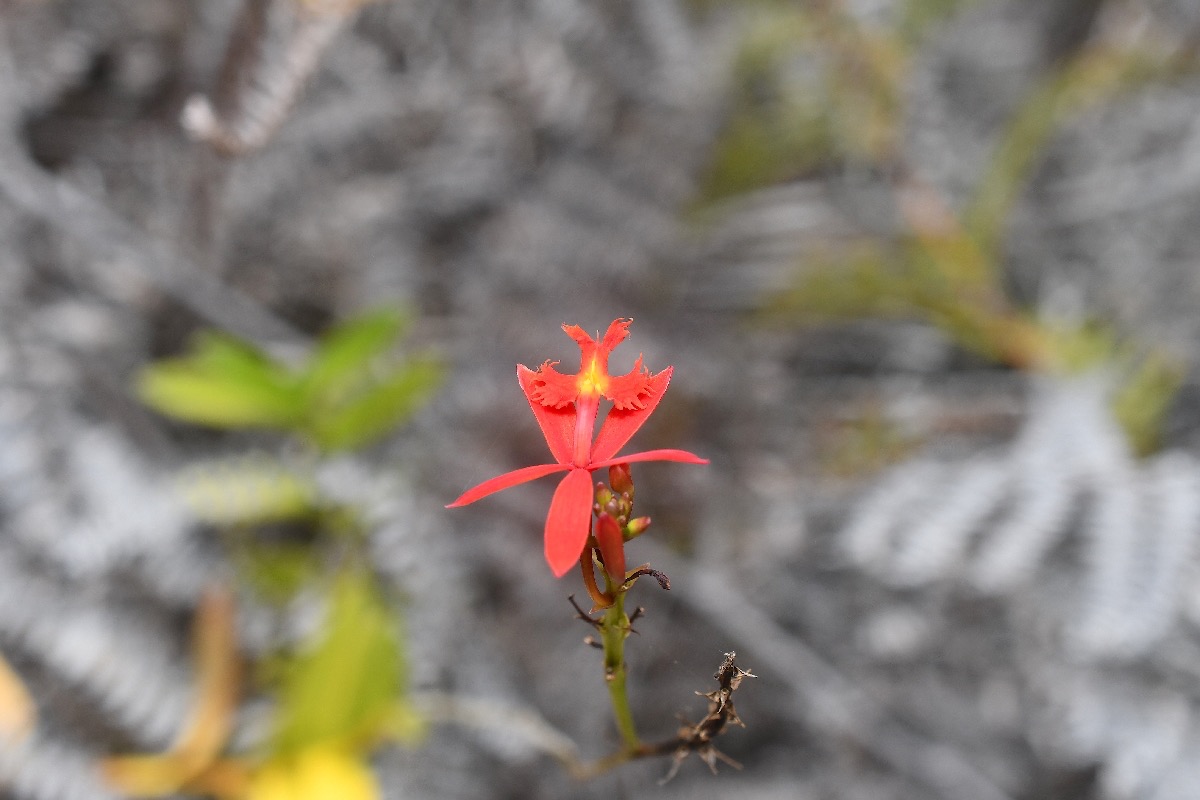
column 621, row 479
column 636, row 527
column 612, row 546
column 603, row 495
column 613, row 507
column 625, row 507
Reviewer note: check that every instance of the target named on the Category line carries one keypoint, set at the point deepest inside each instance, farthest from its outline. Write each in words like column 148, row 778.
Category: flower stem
column 614, row 629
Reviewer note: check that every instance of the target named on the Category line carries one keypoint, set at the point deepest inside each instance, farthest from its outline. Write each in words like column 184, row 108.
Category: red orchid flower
column 566, row 407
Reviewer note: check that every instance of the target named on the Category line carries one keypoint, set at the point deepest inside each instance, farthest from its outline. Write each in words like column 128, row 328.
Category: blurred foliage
column 343, row 690
column 210, row 721
column 248, row 491
column 276, row 570
column 816, row 88
column 776, row 129
column 1092, row 76
column 809, row 86
column 866, row 444
column 319, row 773
column 346, row 395
column 1143, row 401
column 918, row 16
column 357, row 652
column 928, row 280
column 278, row 521
column 340, row 694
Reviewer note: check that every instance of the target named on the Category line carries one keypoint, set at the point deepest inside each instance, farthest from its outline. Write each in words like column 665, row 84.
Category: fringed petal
column 557, row 424
column 631, row 391
column 623, row 423
column 549, row 387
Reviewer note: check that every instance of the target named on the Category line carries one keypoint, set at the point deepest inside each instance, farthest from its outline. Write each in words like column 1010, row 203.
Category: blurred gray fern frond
column 992, row 522
column 1090, row 555
column 115, row 656
column 45, row 769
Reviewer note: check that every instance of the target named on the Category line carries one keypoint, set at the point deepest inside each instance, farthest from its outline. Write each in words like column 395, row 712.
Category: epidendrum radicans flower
column 566, row 407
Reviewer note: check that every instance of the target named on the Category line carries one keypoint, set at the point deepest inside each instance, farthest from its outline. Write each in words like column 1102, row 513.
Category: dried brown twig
column 698, row 738
column 690, row 738
column 275, row 46
column 532, row 729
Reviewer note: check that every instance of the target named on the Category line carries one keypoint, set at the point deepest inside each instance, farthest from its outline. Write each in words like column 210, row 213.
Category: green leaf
column 345, row 353
column 220, row 354
column 223, row 384
column 179, row 389
column 376, row 410
column 346, row 685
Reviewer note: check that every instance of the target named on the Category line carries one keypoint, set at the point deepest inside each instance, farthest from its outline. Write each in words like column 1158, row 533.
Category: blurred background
column 926, row 273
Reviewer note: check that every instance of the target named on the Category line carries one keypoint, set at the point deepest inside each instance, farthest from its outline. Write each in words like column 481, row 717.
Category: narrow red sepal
column 501, row 482
column 569, row 521
column 682, row 456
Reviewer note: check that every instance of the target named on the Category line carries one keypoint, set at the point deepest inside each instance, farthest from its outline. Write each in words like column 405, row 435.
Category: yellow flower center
column 593, row 379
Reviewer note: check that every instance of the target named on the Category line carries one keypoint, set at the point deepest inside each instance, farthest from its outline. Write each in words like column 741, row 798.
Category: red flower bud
column 621, row 479
column 612, row 546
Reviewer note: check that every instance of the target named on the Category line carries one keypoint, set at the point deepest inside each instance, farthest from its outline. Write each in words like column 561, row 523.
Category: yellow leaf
column 318, row 773
column 17, row 711
column 211, row 717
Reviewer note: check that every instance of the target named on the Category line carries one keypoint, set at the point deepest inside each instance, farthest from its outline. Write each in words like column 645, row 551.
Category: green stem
column 614, row 629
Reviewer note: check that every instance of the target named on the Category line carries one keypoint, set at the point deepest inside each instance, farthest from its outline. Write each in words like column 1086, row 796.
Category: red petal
column 551, row 388
column 569, row 521
column 557, row 424
column 500, row 482
column 652, row 455
column 618, row 331
column 590, row 349
column 622, row 423
column 631, row 390
column 587, row 345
